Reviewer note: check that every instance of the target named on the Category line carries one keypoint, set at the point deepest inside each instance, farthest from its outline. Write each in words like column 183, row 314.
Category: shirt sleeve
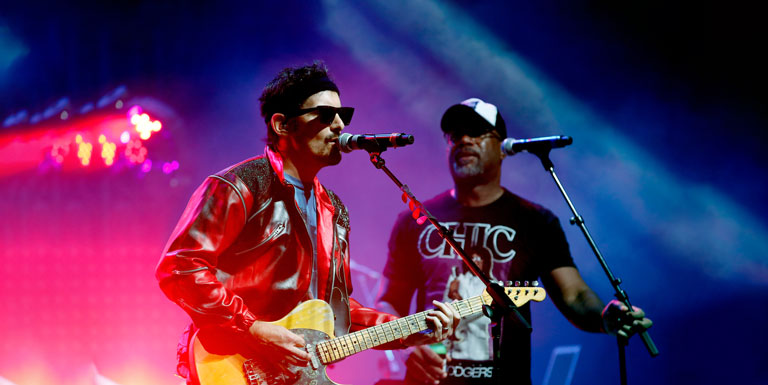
column 553, row 245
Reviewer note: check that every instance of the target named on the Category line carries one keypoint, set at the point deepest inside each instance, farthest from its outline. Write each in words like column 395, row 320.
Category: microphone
column 373, row 142
column 512, row 146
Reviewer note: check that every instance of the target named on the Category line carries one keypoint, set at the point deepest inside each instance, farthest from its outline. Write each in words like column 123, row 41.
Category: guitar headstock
column 520, row 294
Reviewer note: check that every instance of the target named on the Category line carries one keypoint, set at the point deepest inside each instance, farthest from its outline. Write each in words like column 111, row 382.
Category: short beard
column 466, row 171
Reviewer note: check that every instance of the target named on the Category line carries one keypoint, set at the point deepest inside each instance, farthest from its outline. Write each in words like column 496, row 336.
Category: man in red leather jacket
column 260, row 237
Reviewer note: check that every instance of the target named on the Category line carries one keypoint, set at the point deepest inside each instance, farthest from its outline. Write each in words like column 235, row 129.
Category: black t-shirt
column 519, row 240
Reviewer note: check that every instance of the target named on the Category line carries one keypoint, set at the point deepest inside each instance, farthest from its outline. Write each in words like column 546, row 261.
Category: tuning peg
column 526, row 283
column 535, row 283
column 517, row 283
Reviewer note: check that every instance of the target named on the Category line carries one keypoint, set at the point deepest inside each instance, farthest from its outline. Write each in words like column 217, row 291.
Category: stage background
column 666, row 104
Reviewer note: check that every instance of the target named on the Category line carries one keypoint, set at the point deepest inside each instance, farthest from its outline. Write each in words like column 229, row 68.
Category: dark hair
column 289, row 89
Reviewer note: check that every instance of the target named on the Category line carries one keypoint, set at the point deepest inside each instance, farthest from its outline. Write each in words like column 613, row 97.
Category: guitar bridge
column 313, row 361
column 251, row 374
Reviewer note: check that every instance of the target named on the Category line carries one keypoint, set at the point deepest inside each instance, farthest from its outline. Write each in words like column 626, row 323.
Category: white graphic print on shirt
column 498, row 239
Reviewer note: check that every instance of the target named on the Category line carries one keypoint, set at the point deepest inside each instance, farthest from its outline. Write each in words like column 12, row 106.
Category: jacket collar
column 276, row 161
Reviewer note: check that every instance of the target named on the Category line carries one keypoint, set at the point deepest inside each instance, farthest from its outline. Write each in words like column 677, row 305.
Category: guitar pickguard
column 261, row 372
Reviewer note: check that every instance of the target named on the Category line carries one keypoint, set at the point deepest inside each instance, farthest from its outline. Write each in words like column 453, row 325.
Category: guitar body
column 228, row 360
column 312, row 319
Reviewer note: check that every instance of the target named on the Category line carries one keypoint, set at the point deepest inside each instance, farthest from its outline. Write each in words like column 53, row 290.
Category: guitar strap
column 338, row 287
column 339, row 293
column 340, row 304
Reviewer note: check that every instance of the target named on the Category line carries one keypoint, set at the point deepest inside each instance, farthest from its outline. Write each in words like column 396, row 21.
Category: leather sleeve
column 364, row 317
column 212, row 220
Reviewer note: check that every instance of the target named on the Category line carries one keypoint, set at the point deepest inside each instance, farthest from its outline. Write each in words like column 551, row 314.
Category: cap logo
column 486, row 110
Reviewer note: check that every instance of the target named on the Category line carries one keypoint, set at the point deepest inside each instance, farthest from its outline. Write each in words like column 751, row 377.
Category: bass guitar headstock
column 520, row 293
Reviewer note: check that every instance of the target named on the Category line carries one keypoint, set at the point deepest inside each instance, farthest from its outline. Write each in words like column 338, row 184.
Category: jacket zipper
column 271, row 236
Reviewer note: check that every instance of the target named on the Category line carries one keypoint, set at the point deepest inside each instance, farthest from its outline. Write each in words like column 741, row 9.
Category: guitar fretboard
column 347, row 345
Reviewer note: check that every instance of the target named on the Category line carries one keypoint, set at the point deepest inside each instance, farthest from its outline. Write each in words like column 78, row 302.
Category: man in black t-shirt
column 512, row 238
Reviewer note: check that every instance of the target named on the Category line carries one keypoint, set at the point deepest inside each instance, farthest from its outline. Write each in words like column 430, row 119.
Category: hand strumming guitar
column 279, row 345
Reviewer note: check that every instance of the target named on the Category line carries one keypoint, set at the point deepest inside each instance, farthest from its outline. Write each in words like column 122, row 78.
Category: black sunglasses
column 326, row 113
column 455, row 137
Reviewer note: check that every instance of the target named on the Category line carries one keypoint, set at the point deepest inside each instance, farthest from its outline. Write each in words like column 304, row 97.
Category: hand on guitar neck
column 443, row 321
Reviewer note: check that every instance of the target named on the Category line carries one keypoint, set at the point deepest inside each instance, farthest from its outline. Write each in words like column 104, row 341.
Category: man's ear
column 279, row 124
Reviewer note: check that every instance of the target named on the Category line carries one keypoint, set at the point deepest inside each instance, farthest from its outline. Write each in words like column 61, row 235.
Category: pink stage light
column 135, row 110
column 136, row 152
column 71, row 144
column 146, row 166
column 169, row 167
column 59, row 151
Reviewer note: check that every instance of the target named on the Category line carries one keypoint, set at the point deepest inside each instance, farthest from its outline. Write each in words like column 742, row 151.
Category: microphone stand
column 621, row 295
column 502, row 304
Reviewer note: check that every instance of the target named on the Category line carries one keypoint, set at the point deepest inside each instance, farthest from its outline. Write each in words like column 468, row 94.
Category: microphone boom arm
column 502, row 304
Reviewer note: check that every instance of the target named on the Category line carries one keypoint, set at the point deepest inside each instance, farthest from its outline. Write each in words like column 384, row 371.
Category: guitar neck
column 347, row 345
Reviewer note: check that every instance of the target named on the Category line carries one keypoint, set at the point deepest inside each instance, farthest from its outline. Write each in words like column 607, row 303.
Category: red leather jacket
column 241, row 252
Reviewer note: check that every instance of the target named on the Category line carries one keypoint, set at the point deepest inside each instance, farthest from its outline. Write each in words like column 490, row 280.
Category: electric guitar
column 314, row 321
